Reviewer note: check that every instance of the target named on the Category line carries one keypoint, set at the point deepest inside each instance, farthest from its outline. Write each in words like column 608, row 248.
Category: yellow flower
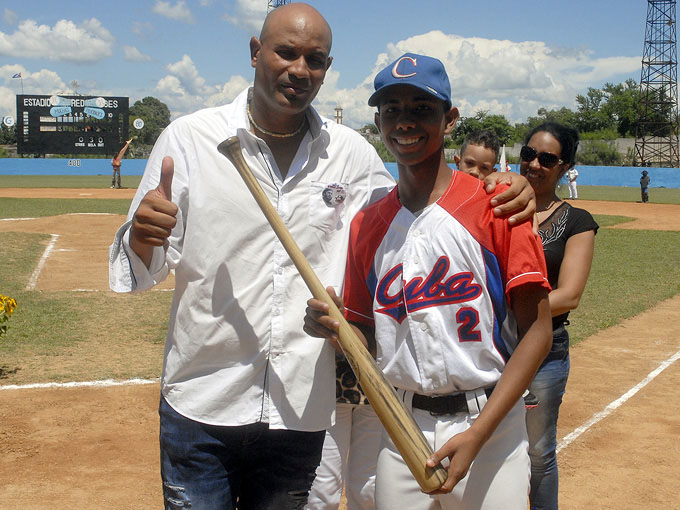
column 7, row 307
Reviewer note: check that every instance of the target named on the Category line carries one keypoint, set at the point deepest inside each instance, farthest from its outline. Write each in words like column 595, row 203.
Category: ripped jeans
column 250, row 467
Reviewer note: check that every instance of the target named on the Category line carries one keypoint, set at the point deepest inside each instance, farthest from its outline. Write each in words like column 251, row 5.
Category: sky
column 508, row 57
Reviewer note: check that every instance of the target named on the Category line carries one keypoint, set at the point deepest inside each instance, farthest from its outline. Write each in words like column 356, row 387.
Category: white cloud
column 184, row 90
column 132, row 54
column 228, row 92
column 500, row 76
column 143, row 29
column 42, row 82
column 179, row 11
column 9, row 16
column 67, row 41
column 188, row 76
column 248, row 14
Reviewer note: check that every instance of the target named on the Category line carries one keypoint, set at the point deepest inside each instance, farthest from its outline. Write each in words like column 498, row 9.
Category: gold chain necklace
column 271, row 133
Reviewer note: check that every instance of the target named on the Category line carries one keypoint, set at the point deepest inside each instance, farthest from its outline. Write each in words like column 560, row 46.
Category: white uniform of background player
column 572, row 175
column 435, row 288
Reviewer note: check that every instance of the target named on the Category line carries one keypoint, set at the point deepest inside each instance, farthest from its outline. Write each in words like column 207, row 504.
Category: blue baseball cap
column 421, row 71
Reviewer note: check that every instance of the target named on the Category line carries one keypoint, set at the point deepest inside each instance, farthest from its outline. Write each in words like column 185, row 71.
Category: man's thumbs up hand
column 156, row 215
column 167, row 171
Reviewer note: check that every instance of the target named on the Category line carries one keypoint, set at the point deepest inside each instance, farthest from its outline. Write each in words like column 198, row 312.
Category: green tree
column 495, row 123
column 8, row 135
column 370, row 128
column 382, row 151
column 598, row 153
column 591, row 116
column 156, row 116
column 621, row 106
column 563, row 116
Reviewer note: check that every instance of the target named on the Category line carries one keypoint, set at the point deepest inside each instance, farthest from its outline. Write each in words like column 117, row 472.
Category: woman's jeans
column 548, row 386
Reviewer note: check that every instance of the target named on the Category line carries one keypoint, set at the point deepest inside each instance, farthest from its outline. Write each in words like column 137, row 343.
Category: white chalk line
column 36, row 273
column 571, row 437
column 67, row 214
column 566, row 441
column 109, row 291
column 83, row 384
column 89, row 214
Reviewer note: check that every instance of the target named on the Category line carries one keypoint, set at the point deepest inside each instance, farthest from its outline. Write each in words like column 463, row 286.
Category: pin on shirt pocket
column 327, row 205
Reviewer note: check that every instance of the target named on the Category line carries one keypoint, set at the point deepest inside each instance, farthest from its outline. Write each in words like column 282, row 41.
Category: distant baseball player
column 644, row 186
column 116, row 162
column 445, row 293
column 572, row 175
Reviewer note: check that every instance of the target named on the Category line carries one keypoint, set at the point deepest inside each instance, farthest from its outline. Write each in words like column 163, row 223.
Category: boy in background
column 478, row 154
column 453, row 300
column 644, row 186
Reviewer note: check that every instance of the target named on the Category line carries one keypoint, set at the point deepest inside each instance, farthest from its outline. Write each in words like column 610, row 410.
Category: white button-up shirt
column 235, row 351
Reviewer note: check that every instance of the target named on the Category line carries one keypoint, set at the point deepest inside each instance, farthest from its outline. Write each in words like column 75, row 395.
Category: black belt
column 444, row 404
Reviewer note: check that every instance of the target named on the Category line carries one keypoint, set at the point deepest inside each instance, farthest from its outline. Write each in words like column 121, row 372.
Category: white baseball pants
column 498, row 477
column 350, row 453
column 573, row 191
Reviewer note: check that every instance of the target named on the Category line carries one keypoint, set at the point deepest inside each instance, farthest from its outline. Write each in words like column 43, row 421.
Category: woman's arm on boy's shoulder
column 532, row 311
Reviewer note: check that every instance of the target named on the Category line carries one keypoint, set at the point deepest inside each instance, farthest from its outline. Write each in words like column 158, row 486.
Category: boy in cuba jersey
column 453, row 301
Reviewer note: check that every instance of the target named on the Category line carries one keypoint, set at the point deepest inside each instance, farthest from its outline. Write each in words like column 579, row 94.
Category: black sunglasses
column 546, row 159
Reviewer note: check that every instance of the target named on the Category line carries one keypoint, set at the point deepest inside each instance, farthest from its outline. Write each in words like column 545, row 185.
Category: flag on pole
column 502, row 164
column 17, row 75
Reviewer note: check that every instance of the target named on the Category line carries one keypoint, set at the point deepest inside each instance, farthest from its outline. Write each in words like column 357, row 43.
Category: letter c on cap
column 395, row 71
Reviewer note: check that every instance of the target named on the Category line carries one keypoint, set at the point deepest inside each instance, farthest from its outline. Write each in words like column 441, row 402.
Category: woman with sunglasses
column 568, row 236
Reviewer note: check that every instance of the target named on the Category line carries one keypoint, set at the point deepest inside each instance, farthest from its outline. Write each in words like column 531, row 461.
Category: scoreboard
column 62, row 124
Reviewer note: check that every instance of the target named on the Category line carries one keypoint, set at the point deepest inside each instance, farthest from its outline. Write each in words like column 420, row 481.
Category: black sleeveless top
column 555, row 231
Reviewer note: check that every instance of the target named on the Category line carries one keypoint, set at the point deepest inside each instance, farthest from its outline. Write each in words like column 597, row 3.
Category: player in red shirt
column 453, row 301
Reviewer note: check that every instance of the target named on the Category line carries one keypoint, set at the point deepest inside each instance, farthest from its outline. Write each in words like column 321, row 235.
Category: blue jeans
column 250, row 467
column 548, row 386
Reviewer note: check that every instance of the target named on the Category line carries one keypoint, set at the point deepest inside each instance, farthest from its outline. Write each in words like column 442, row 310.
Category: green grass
column 52, row 335
column 58, row 336
column 66, row 181
column 623, row 194
column 39, row 207
column 609, row 221
column 632, row 271
column 20, row 253
column 609, row 193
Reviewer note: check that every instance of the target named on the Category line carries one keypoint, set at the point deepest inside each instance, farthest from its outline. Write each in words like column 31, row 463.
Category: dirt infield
column 127, row 193
column 96, row 447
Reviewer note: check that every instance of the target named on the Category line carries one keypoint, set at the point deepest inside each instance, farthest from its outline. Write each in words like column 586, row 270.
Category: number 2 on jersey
column 468, row 318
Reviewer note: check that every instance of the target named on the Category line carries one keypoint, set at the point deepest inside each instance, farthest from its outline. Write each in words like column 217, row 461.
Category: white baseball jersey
column 436, row 286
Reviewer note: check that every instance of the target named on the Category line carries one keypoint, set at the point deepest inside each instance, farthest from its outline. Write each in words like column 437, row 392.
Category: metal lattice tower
column 656, row 140
column 273, row 4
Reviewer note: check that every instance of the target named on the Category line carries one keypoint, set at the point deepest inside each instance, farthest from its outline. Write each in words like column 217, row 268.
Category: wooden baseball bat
column 397, row 420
